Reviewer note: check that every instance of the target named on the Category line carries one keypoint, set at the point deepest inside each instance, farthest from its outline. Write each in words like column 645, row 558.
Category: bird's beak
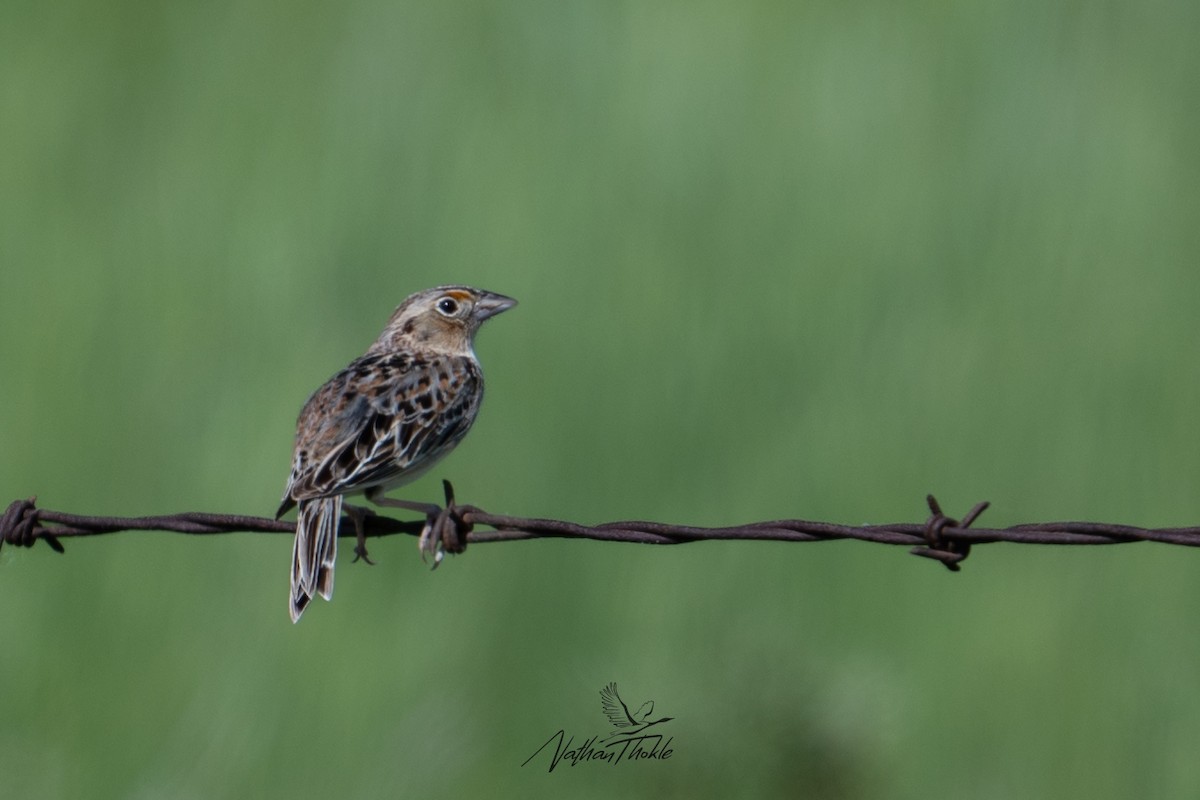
column 490, row 304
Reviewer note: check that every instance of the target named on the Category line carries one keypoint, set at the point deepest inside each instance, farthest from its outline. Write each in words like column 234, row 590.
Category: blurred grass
column 774, row 260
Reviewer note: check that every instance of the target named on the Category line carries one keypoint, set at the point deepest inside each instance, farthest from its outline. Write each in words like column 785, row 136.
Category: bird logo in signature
column 625, row 723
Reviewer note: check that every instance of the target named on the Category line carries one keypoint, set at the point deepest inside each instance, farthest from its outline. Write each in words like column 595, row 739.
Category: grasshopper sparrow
column 382, row 422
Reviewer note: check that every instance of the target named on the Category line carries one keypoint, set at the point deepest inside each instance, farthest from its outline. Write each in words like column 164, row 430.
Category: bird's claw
column 445, row 530
column 430, row 544
column 437, row 538
column 357, row 515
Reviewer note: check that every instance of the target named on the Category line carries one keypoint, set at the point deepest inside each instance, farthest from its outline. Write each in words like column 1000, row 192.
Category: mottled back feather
column 364, row 438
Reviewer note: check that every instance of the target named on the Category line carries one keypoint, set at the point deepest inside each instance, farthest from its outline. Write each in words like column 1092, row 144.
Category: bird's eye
column 448, row 306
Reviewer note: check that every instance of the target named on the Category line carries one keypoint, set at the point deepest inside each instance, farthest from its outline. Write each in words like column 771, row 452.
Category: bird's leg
column 428, row 509
column 357, row 514
column 430, row 543
column 444, row 530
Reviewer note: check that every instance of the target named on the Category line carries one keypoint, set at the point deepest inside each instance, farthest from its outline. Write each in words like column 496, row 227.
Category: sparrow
column 382, row 422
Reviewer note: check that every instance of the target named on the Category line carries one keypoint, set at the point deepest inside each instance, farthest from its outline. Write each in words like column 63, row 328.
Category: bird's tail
column 314, row 551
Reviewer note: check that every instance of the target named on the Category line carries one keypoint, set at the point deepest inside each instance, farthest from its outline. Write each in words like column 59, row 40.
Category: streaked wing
column 382, row 419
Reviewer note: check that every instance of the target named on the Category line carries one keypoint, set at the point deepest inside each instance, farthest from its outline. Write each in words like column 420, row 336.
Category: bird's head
column 443, row 320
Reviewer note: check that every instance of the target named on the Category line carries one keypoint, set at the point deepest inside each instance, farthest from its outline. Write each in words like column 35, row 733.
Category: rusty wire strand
column 940, row 537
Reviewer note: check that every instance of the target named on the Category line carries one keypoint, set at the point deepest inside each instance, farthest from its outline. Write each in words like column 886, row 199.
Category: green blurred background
column 774, row 260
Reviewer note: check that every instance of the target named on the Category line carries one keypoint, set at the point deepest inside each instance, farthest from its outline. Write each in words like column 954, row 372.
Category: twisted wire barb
column 940, row 537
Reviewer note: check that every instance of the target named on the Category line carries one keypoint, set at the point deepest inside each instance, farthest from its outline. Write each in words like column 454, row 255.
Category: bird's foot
column 430, row 543
column 357, row 514
column 445, row 530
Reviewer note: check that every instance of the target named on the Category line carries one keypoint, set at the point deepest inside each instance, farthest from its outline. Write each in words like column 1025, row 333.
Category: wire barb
column 454, row 525
column 20, row 526
column 948, row 551
column 940, row 537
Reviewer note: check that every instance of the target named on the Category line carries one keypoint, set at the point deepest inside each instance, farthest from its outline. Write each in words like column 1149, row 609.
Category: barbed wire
column 939, row 537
